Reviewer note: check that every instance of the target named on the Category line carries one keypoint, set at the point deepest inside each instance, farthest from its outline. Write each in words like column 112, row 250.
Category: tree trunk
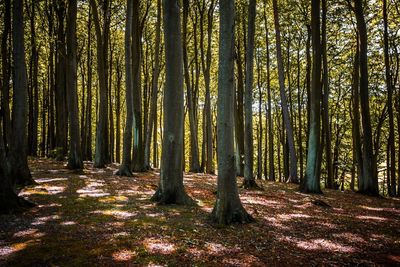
column 138, row 155
column 6, row 72
column 311, row 182
column 75, row 152
column 61, row 107
column 369, row 180
column 171, row 189
column 19, row 170
column 292, row 151
column 391, row 142
column 249, row 181
column 125, row 167
column 325, row 80
column 102, row 153
column 228, row 208
column 239, row 122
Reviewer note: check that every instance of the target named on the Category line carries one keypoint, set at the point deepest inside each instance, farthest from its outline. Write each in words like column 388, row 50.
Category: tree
column 285, row 110
column 311, row 182
column 389, row 85
column 369, row 181
column 228, row 208
column 75, row 152
column 102, row 154
column 125, row 167
column 171, row 190
column 249, row 181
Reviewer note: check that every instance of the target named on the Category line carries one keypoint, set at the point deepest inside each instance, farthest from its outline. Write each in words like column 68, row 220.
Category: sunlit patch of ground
column 96, row 218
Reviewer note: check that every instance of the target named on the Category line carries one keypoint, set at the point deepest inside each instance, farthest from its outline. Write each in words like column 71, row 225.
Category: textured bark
column 285, row 110
column 249, row 181
column 6, row 72
column 391, row 142
column 369, row 180
column 311, row 182
column 239, row 121
column 154, row 90
column 118, row 113
column 75, row 153
column 138, row 152
column 325, row 102
column 194, row 148
column 60, row 82
column 228, row 208
column 102, row 153
column 171, row 189
column 125, row 168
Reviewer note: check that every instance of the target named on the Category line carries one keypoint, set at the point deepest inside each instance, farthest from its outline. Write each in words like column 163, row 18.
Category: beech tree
column 228, row 208
column 171, row 190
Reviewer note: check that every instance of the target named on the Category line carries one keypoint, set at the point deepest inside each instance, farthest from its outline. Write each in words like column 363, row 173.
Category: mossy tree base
column 250, row 184
column 230, row 213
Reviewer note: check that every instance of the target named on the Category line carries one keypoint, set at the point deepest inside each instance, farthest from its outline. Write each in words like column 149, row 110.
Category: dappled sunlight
column 287, row 217
column 114, row 199
column 93, row 188
column 350, row 237
column 158, row 246
column 67, row 223
column 325, row 245
column 49, row 180
column 45, row 219
column 118, row 214
column 371, row 218
column 124, row 255
column 31, row 233
column 43, row 190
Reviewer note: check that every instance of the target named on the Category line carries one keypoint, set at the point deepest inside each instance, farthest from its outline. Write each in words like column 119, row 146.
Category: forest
column 199, row 132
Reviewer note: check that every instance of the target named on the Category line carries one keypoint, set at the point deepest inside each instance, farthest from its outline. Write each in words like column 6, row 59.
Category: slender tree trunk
column 249, row 181
column 369, row 180
column 325, row 80
column 239, row 121
column 75, row 152
column 88, row 123
column 228, row 208
column 102, row 153
column 285, row 110
column 61, row 107
column 138, row 155
column 118, row 113
column 391, row 141
column 311, row 183
column 125, row 168
column 171, row 189
column 154, row 93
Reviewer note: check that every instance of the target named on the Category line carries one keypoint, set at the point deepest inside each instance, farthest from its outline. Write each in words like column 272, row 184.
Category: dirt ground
column 95, row 218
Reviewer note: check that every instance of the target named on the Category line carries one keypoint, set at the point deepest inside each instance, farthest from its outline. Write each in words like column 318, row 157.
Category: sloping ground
column 95, row 218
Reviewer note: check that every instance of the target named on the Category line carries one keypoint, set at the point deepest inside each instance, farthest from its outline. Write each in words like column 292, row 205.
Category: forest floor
column 95, row 218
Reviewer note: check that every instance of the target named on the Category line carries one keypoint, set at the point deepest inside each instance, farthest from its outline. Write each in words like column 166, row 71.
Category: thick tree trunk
column 19, row 170
column 75, row 152
column 171, row 189
column 228, row 208
column 6, row 72
column 311, row 182
column 249, row 181
column 369, row 180
column 125, row 168
column 289, row 130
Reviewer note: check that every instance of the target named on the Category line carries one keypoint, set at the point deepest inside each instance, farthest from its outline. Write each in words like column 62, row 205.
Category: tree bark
column 75, row 153
column 311, row 182
column 369, row 180
column 171, row 189
column 125, row 167
column 249, row 181
column 228, row 207
column 292, row 151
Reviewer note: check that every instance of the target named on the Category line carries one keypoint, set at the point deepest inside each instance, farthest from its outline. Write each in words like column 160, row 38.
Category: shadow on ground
column 97, row 218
